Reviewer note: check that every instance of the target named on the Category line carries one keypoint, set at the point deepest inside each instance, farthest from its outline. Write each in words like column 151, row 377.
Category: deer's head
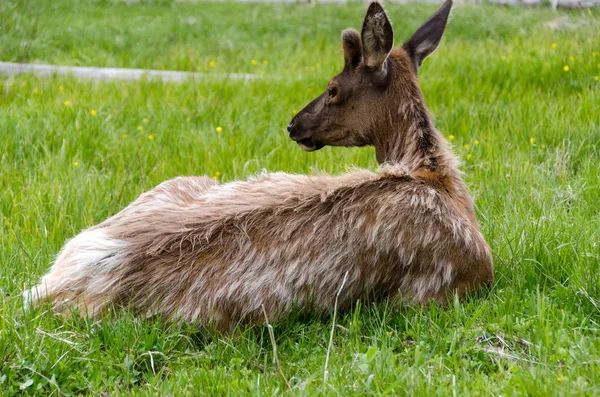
column 376, row 83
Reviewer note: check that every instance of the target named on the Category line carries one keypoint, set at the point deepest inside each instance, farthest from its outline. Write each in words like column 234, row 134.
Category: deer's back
column 286, row 240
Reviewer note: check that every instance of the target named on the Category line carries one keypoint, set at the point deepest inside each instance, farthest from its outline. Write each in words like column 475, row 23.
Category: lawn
column 515, row 90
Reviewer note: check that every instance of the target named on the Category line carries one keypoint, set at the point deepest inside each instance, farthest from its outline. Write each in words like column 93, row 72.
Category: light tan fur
column 213, row 253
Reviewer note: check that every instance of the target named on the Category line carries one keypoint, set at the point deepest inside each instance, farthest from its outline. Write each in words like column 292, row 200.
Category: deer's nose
column 290, row 127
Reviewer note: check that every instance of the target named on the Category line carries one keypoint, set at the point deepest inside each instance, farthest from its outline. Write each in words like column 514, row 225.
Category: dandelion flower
column 571, row 58
column 560, row 379
column 265, row 62
column 476, row 142
column 151, row 137
column 566, row 68
column 219, row 129
column 214, row 177
column 532, row 140
column 76, row 164
column 554, row 45
column 390, row 333
column 36, row 91
column 294, row 111
column 140, row 128
column 123, row 136
column 217, row 173
column 467, row 146
column 451, row 137
column 145, row 120
column 61, row 88
column 596, row 78
column 93, row 113
column 469, row 156
column 254, row 62
column 212, row 64
column 67, row 103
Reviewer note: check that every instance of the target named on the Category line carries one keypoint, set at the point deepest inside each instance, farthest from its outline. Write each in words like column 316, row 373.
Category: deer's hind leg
column 83, row 272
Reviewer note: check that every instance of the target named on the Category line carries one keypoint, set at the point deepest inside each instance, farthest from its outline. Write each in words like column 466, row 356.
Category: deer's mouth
column 309, row 145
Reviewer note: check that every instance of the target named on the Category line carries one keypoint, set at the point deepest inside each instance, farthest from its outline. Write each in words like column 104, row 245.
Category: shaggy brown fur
column 210, row 253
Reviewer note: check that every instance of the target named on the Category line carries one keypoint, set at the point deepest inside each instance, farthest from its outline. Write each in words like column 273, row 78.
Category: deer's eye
column 332, row 92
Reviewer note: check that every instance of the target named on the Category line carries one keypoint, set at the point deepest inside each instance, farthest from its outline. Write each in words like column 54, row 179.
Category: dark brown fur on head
column 376, row 99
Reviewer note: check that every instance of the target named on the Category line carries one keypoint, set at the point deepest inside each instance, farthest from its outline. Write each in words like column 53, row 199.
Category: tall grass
column 74, row 152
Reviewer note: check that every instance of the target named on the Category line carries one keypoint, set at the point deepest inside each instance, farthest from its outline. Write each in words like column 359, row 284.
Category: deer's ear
column 352, row 48
column 377, row 37
column 426, row 39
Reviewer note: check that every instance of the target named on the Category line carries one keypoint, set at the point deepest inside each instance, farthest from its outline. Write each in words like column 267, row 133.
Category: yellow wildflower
column 390, row 333
column 566, row 68
column 294, row 111
column 151, row 137
column 571, row 58
column 467, row 146
column 36, row 91
column 123, row 136
column 217, row 173
column 596, row 78
column 67, row 103
column 451, row 137
column 532, row 140
column 560, row 379
column 76, row 164
column 93, row 113
column 145, row 120
column 140, row 128
column 219, row 129
column 469, row 156
column 553, row 45
column 61, row 88
column 214, row 177
column 254, row 62
column 265, row 62
column 212, row 64
column 476, row 142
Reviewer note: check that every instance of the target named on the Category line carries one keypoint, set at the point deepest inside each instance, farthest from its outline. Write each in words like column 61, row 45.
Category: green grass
column 495, row 79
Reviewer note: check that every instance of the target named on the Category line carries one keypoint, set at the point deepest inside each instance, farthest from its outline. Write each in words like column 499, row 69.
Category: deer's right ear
column 426, row 39
column 377, row 38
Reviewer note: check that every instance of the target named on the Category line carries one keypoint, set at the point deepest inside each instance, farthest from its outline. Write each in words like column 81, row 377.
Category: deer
column 243, row 252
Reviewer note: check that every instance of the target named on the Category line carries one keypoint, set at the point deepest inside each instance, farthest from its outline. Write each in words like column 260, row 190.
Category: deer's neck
column 409, row 138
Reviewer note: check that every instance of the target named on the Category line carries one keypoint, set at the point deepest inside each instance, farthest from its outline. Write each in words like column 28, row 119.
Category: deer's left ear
column 377, row 38
column 426, row 39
